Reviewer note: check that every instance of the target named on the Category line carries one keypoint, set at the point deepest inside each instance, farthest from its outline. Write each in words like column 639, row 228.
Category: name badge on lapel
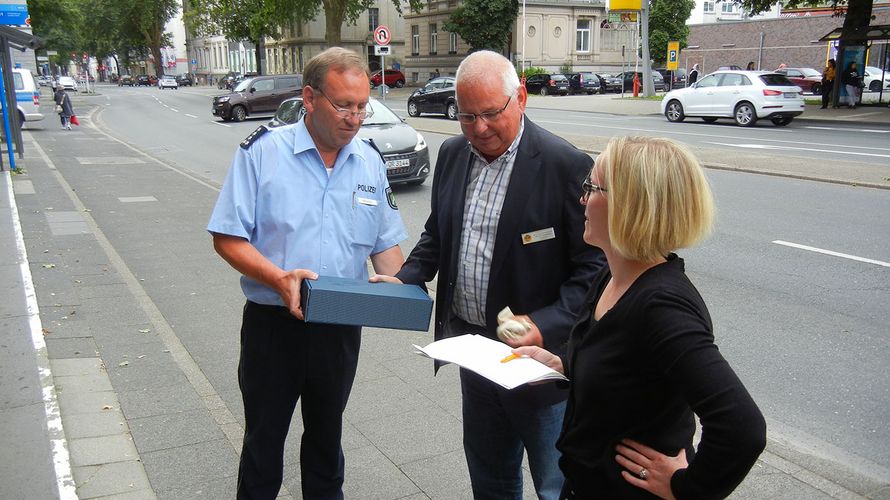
column 539, row 235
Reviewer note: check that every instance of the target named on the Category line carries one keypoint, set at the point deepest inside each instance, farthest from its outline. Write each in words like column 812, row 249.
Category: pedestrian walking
column 63, row 107
column 693, row 75
column 828, row 76
column 641, row 359
column 300, row 201
column 751, row 66
column 852, row 83
column 505, row 232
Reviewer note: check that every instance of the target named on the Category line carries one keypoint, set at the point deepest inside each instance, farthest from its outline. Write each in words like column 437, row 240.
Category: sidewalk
column 140, row 318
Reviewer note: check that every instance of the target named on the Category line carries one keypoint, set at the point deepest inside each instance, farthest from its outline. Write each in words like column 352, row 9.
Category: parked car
column 257, row 96
column 546, row 84
column 67, row 83
column 404, row 149
column 126, row 80
column 185, row 80
column 168, row 82
column 43, row 80
column 808, row 79
column 583, row 83
column 871, row 78
column 437, row 96
column 744, row 96
column 143, row 81
column 27, row 96
column 393, row 78
column 674, row 79
column 609, row 83
column 628, row 79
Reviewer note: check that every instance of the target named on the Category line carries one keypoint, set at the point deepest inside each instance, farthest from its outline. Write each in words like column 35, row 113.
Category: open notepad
column 483, row 356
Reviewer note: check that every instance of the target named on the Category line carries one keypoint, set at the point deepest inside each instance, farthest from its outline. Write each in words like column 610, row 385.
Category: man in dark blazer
column 506, row 230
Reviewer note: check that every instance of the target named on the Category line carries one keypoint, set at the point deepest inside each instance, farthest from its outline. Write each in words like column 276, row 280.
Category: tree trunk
column 333, row 21
column 259, row 49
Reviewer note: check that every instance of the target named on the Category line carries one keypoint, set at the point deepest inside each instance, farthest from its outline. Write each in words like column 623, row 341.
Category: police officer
column 300, row 201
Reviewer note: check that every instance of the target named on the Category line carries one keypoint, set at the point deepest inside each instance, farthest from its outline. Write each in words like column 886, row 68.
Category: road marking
column 190, row 116
column 845, row 129
column 56, row 433
column 829, row 252
column 771, row 146
column 222, row 124
column 174, row 110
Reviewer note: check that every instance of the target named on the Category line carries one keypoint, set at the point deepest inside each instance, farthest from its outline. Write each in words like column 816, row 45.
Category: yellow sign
column 625, row 4
column 673, row 58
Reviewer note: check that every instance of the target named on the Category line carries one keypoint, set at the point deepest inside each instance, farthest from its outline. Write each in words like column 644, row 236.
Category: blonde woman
column 641, row 358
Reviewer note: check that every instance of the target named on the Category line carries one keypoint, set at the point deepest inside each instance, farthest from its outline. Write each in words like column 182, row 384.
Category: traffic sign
column 382, row 50
column 382, row 35
column 13, row 12
column 673, row 58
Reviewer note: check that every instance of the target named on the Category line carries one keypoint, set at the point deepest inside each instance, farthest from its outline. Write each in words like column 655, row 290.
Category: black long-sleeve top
column 640, row 372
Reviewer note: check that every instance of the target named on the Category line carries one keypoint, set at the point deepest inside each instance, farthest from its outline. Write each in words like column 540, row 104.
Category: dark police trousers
column 284, row 359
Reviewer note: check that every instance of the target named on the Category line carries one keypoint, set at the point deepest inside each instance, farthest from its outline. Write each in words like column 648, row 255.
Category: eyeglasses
column 346, row 113
column 488, row 116
column 588, row 187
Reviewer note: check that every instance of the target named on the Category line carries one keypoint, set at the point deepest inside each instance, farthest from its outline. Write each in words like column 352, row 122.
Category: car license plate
column 392, row 164
column 790, row 95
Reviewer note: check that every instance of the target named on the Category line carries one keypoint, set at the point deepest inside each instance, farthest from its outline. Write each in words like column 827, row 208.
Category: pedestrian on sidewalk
column 500, row 211
column 693, row 75
column 63, row 107
column 852, row 83
column 641, row 359
column 828, row 76
column 299, row 201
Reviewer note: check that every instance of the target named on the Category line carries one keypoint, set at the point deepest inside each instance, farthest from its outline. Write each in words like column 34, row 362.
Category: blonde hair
column 336, row 58
column 659, row 199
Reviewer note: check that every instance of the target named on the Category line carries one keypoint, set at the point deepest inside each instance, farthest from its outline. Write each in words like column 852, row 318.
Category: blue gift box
column 343, row 301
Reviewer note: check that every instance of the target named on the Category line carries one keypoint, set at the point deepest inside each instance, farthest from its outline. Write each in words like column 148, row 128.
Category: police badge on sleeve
column 391, row 199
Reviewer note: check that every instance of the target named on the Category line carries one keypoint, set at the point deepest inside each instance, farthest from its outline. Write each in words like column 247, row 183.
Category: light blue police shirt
column 278, row 196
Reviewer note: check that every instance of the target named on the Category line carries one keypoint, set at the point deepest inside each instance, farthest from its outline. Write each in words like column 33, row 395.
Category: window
column 734, row 80
column 434, row 39
column 373, row 18
column 728, row 7
column 582, row 40
column 415, row 40
column 709, row 7
column 452, row 43
column 263, row 85
column 708, row 81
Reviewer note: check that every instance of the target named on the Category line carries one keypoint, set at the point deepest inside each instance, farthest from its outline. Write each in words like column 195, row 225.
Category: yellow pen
column 511, row 358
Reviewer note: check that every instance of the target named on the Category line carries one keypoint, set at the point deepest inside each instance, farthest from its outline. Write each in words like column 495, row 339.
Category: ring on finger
column 643, row 473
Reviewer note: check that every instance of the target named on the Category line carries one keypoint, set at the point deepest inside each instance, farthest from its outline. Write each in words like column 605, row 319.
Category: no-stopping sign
column 382, row 35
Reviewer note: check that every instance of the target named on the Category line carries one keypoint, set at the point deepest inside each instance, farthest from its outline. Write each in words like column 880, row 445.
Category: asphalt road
column 806, row 330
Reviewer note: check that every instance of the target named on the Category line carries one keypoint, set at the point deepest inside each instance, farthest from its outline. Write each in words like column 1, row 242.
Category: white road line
column 829, row 252
column 174, row 110
column 712, row 136
column 771, row 146
column 222, row 124
column 847, row 129
column 190, row 116
column 58, row 443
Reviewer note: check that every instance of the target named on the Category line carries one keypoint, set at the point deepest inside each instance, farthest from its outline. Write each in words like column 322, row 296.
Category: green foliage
column 667, row 22
column 532, row 70
column 759, row 6
column 566, row 67
column 484, row 24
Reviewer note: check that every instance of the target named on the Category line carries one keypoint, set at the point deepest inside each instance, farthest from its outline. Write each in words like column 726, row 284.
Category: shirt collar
column 510, row 150
column 303, row 142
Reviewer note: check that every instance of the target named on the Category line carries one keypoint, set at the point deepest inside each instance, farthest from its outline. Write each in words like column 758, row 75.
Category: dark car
column 674, row 79
column 143, row 81
column 126, row 80
column 393, row 78
column 185, row 80
column 404, row 149
column 256, row 96
column 583, row 83
column 628, row 78
column 437, row 96
column 546, row 84
column 808, row 79
column 609, row 83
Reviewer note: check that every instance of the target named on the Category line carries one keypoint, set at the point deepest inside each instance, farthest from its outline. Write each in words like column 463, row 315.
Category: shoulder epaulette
column 252, row 138
column 371, row 143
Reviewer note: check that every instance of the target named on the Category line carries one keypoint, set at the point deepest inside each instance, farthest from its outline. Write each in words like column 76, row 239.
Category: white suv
column 27, row 96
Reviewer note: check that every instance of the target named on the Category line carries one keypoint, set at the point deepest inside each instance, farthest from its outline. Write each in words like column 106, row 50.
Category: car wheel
column 674, row 111
column 875, row 86
column 239, row 113
column 781, row 121
column 400, row 83
column 543, row 91
column 745, row 115
column 709, row 119
column 451, row 111
column 412, row 109
column 817, row 89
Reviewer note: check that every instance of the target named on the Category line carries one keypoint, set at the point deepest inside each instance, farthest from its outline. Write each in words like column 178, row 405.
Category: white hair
column 481, row 65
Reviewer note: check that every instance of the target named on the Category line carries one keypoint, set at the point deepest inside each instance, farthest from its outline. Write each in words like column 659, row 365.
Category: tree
column 58, row 23
column 148, row 19
column 667, row 22
column 484, row 24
